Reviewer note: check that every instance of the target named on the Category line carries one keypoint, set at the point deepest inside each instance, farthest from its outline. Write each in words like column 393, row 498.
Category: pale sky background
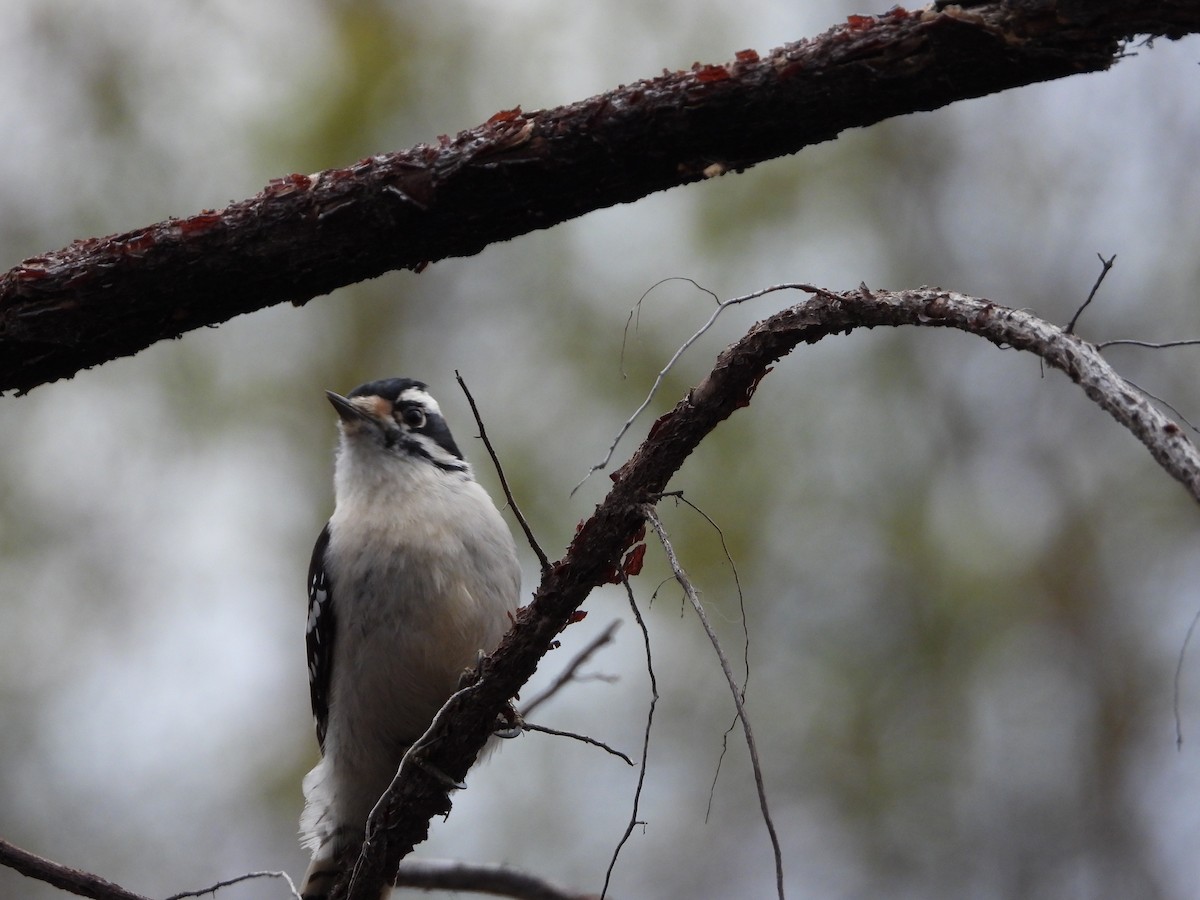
column 967, row 589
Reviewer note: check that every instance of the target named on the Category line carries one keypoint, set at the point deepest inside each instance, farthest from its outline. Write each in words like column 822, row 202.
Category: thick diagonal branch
column 303, row 236
column 594, row 556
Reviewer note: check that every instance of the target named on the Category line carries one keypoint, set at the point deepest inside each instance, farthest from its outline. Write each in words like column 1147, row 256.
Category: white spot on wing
column 316, row 607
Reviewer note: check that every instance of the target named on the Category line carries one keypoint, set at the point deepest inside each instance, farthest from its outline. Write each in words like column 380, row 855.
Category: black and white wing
column 320, row 635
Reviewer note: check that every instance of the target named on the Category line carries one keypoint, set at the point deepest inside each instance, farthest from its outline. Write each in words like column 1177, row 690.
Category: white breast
column 424, row 576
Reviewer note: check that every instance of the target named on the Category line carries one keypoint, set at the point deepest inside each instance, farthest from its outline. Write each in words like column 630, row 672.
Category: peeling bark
column 303, row 236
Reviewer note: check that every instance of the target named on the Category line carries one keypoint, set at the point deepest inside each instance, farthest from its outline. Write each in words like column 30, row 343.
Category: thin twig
column 75, row 881
column 637, row 794
column 1152, row 345
column 737, row 581
column 512, row 503
column 1187, row 638
column 240, row 878
column 568, row 674
column 1159, row 400
column 722, row 305
column 529, row 726
column 658, row 588
column 688, row 588
column 1105, row 264
column 451, row 875
column 635, row 311
column 712, row 788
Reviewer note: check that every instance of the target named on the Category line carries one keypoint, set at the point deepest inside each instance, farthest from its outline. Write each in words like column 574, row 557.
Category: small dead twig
column 637, row 794
column 722, row 305
column 1161, row 402
column 635, row 312
column 712, row 789
column 681, row 576
column 240, row 878
column 737, row 581
column 568, row 674
column 543, row 560
column 1105, row 264
column 1187, row 639
column 583, row 738
column 1150, row 345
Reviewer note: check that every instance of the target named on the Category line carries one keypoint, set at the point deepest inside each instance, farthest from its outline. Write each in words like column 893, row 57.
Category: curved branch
column 304, row 236
column 594, row 556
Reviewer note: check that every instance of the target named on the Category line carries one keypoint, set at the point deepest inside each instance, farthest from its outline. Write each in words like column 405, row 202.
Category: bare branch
column 1187, row 639
column 583, row 738
column 512, row 503
column 74, row 881
column 1007, row 328
column 737, row 581
column 305, row 235
column 568, row 674
column 1105, row 264
column 635, row 312
column 450, row 875
column 1152, row 345
column 238, row 880
column 722, row 305
column 637, row 793
column 738, row 699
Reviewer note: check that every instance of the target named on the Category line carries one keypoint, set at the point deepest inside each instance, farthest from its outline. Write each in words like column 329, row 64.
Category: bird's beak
column 346, row 410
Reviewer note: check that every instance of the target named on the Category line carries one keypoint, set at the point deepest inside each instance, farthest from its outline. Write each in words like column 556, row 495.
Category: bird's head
column 398, row 417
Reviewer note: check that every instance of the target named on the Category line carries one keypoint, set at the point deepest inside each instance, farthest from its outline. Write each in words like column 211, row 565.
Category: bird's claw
column 509, row 723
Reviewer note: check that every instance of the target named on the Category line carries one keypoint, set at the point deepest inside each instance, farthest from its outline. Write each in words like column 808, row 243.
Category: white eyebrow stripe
column 422, row 397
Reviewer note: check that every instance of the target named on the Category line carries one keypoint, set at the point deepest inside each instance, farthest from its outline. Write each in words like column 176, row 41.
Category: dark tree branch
column 74, row 881
column 429, row 874
column 303, row 236
column 1105, row 266
column 451, row 875
column 594, row 556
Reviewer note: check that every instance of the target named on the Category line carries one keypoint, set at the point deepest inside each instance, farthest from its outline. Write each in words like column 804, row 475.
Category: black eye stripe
column 415, row 419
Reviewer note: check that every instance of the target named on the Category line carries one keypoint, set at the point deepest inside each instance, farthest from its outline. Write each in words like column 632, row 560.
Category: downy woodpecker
column 414, row 575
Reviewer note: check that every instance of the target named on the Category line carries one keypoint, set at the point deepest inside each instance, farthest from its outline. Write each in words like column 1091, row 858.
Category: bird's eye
column 413, row 416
